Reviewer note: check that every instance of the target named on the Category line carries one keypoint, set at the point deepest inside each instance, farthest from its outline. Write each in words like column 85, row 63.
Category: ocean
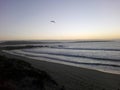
column 97, row 55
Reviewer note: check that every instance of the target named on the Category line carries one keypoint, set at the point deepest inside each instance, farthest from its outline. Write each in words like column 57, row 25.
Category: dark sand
column 74, row 78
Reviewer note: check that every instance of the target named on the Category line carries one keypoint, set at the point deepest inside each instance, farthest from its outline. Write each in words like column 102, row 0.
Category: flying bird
column 52, row 21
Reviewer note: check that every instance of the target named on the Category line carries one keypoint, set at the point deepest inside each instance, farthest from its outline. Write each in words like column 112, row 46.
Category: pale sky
column 75, row 19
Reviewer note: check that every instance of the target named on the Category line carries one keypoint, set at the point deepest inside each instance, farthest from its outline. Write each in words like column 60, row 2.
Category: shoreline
column 74, row 78
column 58, row 62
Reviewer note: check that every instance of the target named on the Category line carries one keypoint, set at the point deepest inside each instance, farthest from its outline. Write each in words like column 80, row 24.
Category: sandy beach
column 74, row 78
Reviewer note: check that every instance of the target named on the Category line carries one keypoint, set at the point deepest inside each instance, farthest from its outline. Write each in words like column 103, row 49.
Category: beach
column 75, row 78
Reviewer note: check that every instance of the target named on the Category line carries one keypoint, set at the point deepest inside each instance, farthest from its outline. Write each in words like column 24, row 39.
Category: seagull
column 52, row 21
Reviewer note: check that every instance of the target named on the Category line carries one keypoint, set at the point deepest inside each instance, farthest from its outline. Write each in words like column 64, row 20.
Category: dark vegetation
column 20, row 75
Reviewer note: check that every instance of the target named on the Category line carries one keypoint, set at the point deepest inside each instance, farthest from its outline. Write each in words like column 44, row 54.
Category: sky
column 74, row 19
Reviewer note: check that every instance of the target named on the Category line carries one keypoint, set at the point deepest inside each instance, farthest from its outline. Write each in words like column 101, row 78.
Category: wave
column 78, row 56
column 104, row 67
column 100, row 49
column 74, row 62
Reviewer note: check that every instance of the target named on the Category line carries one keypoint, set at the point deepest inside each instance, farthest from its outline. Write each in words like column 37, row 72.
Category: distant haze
column 73, row 19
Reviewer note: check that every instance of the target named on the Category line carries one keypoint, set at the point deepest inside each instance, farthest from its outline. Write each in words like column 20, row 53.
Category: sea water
column 103, row 55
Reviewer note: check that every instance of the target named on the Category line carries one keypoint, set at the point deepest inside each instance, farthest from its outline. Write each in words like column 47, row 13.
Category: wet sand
column 75, row 78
